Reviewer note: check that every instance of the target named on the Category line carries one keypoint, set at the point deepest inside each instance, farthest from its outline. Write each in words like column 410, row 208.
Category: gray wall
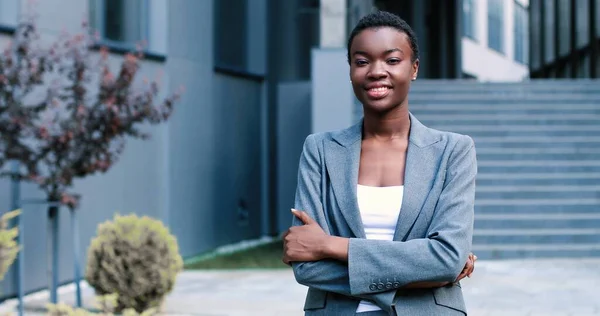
column 192, row 130
column 214, row 140
column 293, row 119
column 200, row 173
column 332, row 95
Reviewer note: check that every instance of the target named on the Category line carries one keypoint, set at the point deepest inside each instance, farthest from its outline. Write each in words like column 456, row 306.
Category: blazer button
column 396, row 284
column 372, row 287
column 380, row 286
column 388, row 285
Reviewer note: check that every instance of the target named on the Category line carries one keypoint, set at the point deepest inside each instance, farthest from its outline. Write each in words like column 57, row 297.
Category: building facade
column 565, row 38
column 486, row 40
column 495, row 43
column 260, row 75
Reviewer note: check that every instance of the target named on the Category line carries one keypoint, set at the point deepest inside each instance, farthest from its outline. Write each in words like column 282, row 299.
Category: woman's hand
column 468, row 269
column 304, row 243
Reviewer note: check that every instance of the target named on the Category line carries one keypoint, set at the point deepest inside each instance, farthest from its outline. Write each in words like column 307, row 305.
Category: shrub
column 9, row 248
column 106, row 304
column 136, row 258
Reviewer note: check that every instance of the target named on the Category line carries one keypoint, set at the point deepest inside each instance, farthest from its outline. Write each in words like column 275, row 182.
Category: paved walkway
column 528, row 288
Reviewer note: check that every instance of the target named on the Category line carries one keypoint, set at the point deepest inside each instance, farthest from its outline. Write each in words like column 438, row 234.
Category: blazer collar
column 342, row 159
column 420, row 135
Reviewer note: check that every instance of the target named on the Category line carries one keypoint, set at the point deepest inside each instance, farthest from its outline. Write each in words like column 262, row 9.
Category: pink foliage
column 78, row 126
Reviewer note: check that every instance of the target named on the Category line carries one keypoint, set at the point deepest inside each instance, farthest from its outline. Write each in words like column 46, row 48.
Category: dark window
column 470, row 19
column 9, row 11
column 536, row 33
column 125, row 23
column 521, row 28
column 548, row 31
column 564, row 26
column 496, row 25
column 230, row 34
column 582, row 20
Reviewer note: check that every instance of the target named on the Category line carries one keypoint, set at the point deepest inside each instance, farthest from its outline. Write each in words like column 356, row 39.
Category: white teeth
column 379, row 89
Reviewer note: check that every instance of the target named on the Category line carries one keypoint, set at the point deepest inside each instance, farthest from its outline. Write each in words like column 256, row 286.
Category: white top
column 379, row 209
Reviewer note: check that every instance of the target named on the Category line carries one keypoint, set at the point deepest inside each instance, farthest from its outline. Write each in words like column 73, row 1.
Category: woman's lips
column 378, row 92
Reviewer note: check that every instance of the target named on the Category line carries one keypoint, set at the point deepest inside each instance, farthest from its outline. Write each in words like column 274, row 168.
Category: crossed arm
column 352, row 266
column 309, row 242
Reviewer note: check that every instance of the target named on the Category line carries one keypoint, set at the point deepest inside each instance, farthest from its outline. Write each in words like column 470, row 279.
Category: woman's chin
column 378, row 107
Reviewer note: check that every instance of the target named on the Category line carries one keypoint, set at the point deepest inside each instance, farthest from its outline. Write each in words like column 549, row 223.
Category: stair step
column 537, row 209
column 536, row 139
column 511, row 251
column 537, row 221
column 539, row 188
column 544, row 217
column 537, row 202
column 503, row 96
column 511, row 156
column 541, row 150
column 536, row 236
column 467, row 108
column 541, row 168
column 461, row 128
column 512, row 179
column 450, row 110
column 508, row 117
column 543, row 176
column 554, row 163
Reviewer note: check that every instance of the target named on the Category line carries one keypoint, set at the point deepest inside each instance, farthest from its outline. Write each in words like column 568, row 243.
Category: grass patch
column 267, row 256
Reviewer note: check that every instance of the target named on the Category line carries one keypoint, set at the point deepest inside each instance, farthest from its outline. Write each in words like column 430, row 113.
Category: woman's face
column 381, row 68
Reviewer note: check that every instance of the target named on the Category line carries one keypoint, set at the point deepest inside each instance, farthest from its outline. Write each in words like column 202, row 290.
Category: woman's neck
column 387, row 126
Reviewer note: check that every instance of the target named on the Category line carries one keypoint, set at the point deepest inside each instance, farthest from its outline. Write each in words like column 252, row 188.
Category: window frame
column 500, row 19
column 520, row 9
column 7, row 28
column 122, row 47
column 471, row 33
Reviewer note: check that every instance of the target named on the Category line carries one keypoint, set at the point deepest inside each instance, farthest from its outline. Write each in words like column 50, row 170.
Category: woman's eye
column 360, row 62
column 393, row 61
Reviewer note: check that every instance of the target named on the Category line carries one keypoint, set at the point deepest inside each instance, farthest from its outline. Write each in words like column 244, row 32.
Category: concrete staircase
column 538, row 149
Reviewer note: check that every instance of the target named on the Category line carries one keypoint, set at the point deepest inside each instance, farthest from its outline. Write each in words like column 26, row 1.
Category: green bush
column 106, row 304
column 9, row 248
column 136, row 258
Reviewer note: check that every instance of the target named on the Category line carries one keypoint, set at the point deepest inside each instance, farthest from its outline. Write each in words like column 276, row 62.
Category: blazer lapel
column 420, row 171
column 342, row 158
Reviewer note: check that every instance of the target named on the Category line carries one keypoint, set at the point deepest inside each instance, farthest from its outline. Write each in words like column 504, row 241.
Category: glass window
column 496, row 25
column 549, row 42
column 126, row 23
column 564, row 26
column 470, row 19
column 598, row 18
column 9, row 13
column 582, row 19
column 534, row 6
column 230, row 33
column 521, row 30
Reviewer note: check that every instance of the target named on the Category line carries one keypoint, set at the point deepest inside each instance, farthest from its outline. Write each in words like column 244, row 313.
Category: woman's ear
column 415, row 70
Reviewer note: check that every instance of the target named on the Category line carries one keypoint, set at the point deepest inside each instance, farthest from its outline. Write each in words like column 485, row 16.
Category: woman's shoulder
column 460, row 140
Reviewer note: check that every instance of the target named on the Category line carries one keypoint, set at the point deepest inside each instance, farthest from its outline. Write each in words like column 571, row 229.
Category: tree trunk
column 52, row 251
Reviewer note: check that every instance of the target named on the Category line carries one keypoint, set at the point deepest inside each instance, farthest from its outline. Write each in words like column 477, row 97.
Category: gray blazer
column 433, row 235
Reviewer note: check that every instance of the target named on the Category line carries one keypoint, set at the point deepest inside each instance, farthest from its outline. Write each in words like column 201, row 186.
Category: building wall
column 201, row 172
column 565, row 38
column 485, row 63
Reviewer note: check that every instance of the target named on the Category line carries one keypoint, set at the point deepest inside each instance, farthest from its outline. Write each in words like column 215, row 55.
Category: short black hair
column 380, row 19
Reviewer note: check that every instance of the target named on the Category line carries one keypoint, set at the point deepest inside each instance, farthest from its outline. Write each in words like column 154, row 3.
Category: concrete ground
column 515, row 287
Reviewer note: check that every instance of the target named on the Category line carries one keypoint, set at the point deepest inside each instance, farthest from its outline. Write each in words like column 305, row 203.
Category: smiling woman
column 383, row 217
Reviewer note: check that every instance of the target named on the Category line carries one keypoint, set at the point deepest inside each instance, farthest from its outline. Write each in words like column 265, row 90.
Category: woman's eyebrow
column 387, row 52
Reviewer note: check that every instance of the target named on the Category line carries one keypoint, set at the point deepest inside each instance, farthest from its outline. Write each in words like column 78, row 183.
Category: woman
column 384, row 209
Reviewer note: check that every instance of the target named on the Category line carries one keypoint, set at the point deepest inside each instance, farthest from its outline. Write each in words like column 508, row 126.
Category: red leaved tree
column 64, row 114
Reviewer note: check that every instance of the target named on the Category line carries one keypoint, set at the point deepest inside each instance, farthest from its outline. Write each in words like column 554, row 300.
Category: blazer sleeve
column 440, row 256
column 328, row 274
